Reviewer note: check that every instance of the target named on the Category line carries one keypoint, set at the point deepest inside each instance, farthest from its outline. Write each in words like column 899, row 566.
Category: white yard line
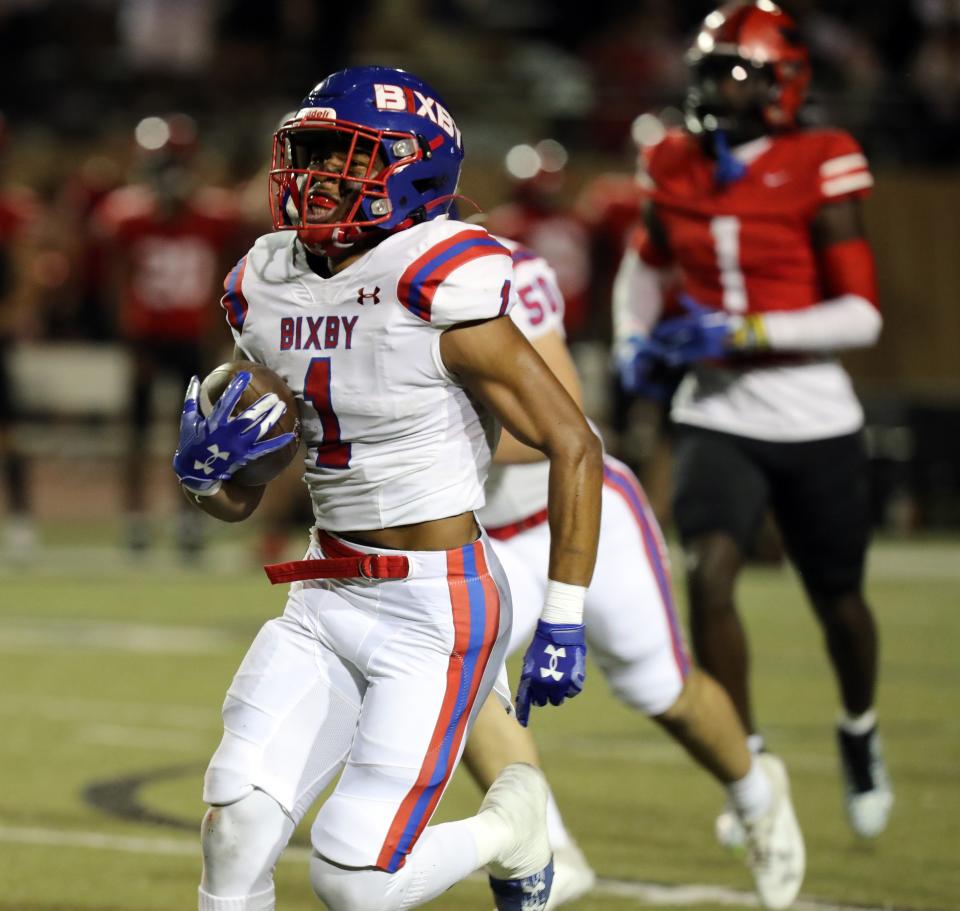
column 20, row 635
column 96, row 710
column 643, row 893
column 147, row 738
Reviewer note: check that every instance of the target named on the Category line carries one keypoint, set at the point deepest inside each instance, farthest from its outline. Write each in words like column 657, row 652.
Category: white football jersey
column 391, row 436
column 517, row 491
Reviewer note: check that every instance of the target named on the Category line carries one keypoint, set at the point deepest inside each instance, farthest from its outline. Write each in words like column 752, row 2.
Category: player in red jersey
column 17, row 212
column 762, row 221
column 167, row 241
column 539, row 216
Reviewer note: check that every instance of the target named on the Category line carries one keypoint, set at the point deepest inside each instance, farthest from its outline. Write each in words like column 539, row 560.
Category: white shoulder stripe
column 847, row 183
column 646, row 181
column 844, row 163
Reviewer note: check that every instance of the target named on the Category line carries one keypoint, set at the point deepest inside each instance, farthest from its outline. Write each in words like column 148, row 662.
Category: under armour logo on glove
column 553, row 667
column 555, row 655
column 207, row 465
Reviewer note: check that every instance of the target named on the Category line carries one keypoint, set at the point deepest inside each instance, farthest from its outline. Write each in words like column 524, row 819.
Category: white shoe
column 775, row 851
column 522, row 876
column 729, row 830
column 866, row 785
column 573, row 876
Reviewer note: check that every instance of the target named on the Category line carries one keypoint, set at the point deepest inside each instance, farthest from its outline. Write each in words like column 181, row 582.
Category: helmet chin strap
column 335, row 242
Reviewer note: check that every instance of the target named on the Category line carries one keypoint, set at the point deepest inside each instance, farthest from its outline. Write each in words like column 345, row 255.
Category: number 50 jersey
column 391, row 437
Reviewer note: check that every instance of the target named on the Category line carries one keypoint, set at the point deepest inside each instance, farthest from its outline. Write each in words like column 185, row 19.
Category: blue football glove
column 700, row 335
column 553, row 667
column 635, row 360
column 213, row 448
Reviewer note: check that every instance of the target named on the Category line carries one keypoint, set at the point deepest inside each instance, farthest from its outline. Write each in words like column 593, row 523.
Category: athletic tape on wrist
column 563, row 603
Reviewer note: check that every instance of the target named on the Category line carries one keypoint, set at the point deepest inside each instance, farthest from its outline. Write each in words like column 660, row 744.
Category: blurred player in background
column 762, row 221
column 17, row 213
column 166, row 241
column 632, row 629
column 384, row 318
column 539, row 215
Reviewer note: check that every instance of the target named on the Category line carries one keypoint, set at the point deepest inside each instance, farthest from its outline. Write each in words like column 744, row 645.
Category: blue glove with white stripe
column 213, row 448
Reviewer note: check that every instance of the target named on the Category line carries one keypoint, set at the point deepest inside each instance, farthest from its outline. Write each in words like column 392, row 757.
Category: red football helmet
column 752, row 40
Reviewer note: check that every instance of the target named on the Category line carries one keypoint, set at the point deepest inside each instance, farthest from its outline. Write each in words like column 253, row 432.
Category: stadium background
column 113, row 670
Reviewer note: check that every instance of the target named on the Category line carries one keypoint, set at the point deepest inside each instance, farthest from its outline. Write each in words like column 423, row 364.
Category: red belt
column 502, row 532
column 346, row 563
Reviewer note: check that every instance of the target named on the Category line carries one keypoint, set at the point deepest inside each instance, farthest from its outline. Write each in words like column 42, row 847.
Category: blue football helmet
column 370, row 149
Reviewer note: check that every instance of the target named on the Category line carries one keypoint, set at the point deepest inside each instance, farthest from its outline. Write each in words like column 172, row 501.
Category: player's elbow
column 873, row 326
column 864, row 322
column 582, row 447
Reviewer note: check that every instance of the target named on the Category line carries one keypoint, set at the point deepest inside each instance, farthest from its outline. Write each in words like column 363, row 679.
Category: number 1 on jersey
column 725, row 230
column 331, row 453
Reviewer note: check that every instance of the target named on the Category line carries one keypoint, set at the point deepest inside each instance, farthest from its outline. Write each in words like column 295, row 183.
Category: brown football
column 262, row 381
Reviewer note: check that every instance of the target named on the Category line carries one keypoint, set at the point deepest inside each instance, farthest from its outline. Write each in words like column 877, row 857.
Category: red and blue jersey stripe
column 475, row 605
column 233, row 300
column 524, row 255
column 421, row 279
column 619, row 478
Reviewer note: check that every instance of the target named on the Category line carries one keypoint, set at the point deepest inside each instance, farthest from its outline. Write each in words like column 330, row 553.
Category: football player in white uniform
column 384, row 318
column 632, row 629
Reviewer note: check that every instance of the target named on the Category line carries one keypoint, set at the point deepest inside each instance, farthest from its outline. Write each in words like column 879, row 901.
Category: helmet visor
column 729, row 93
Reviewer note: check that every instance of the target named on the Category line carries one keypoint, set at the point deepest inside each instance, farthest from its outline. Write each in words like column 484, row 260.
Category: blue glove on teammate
column 635, row 360
column 213, row 448
column 700, row 335
column 553, row 667
column 642, row 371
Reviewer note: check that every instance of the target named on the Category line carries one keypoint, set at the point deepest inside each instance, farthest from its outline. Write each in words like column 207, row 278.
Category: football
column 263, row 380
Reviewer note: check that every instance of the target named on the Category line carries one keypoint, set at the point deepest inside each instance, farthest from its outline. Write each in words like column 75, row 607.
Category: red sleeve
column 848, row 268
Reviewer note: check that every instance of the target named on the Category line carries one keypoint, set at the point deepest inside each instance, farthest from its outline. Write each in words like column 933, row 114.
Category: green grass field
column 113, row 676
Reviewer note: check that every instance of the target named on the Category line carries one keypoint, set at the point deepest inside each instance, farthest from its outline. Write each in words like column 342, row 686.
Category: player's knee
column 685, row 698
column 226, row 781
column 241, row 843
column 650, row 690
column 844, row 609
column 352, row 889
column 713, row 562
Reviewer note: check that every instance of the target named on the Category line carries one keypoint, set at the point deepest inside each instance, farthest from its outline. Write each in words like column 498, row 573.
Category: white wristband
column 563, row 603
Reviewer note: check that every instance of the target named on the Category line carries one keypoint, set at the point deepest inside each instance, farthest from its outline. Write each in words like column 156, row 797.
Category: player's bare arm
column 500, row 367
column 838, row 222
column 553, row 349
column 231, row 503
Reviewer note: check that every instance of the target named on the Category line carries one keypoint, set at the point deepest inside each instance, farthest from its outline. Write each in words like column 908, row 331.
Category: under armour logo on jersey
column 363, row 295
column 207, row 465
column 555, row 655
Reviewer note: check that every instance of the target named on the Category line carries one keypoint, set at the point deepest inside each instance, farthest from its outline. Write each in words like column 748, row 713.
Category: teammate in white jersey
column 632, row 627
column 386, row 320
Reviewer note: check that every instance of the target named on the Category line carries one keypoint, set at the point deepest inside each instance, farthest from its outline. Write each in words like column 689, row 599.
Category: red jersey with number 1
column 745, row 247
